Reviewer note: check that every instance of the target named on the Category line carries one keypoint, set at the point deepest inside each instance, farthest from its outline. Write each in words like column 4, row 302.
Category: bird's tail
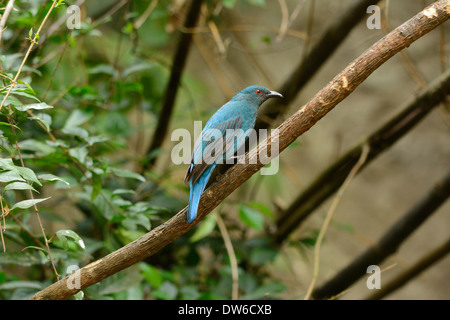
column 196, row 192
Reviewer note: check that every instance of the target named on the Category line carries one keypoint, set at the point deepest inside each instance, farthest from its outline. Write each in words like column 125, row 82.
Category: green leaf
column 251, row 217
column 261, row 208
column 123, row 191
column 138, row 67
column 205, row 228
column 64, row 234
column 79, row 153
column 123, row 280
column 310, row 238
column 127, row 236
column 60, row 2
column 11, row 100
column 40, row 148
column 19, row 186
column 96, row 185
column 103, row 68
column 9, row 125
column 26, row 95
column 261, row 256
column 133, row 219
column 103, row 206
column 28, row 174
column 77, row 118
column 79, row 295
column 76, row 131
column 167, row 291
column 21, row 258
column 21, row 284
column 34, row 106
column 27, row 85
column 9, row 176
column 152, row 275
column 7, row 164
column 52, row 177
column 266, row 39
column 27, row 203
column 45, row 119
column 126, row 174
column 39, row 249
column 95, row 139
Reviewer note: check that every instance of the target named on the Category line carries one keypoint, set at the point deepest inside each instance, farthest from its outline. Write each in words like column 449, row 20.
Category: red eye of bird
column 258, row 91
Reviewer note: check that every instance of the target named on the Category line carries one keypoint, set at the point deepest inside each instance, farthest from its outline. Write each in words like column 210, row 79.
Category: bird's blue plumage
column 216, row 139
column 196, row 192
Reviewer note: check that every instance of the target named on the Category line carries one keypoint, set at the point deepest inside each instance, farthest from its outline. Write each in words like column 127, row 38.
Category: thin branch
column 12, row 85
column 5, row 16
column 445, row 106
column 412, row 272
column 36, row 211
column 50, row 82
column 217, row 38
column 140, row 21
column 323, row 102
column 178, row 64
column 406, row 60
column 329, row 181
column 324, row 228
column 213, row 67
column 309, row 28
column 30, row 48
column 284, row 20
column 307, row 68
column 58, row 23
column 389, row 242
column 231, row 255
column 4, row 213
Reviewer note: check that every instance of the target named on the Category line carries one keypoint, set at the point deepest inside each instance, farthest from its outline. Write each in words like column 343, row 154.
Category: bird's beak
column 274, row 94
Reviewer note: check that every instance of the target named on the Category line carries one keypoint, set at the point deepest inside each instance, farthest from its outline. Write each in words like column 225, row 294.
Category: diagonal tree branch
column 389, row 242
column 322, row 50
column 329, row 181
column 178, row 64
column 323, row 102
column 424, row 263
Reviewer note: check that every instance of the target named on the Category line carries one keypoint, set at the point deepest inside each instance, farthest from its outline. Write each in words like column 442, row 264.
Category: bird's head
column 256, row 95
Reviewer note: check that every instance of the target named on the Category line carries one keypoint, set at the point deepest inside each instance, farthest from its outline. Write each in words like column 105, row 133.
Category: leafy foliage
column 72, row 129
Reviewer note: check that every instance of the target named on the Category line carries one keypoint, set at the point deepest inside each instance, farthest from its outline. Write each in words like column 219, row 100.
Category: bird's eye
column 258, row 91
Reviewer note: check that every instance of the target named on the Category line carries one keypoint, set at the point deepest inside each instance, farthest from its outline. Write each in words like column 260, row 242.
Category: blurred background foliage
column 82, row 117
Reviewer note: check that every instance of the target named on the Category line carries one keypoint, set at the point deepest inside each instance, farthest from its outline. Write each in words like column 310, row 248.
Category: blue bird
column 214, row 143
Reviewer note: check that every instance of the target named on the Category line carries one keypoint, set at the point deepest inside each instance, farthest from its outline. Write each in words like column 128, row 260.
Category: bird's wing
column 211, row 145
